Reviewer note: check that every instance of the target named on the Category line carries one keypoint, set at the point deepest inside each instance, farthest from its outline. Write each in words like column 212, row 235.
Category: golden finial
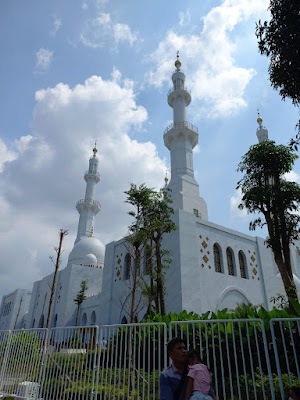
column 166, row 178
column 95, row 148
column 92, row 231
column 259, row 119
column 177, row 62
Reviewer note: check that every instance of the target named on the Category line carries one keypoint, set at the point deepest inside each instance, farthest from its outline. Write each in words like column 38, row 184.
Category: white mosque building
column 213, row 267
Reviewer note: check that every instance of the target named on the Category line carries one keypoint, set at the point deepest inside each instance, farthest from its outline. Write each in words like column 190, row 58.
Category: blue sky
column 74, row 72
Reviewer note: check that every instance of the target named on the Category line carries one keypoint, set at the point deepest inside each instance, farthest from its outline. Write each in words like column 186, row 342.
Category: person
column 294, row 393
column 199, row 379
column 173, row 379
column 104, row 344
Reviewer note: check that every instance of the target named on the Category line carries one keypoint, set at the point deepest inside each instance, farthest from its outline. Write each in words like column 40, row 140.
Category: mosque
column 213, row 267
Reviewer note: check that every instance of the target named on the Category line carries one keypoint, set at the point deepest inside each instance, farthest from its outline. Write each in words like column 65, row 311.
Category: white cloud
column 43, row 59
column 235, row 201
column 292, row 176
column 56, row 25
column 123, row 33
column 23, row 143
column 5, row 155
column 184, row 17
column 209, row 57
column 41, row 185
column 102, row 30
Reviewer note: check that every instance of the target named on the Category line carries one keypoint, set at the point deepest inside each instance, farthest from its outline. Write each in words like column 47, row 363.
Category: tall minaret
column 261, row 131
column 180, row 138
column 89, row 207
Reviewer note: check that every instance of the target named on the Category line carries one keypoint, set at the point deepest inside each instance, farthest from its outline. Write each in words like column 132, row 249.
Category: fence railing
column 249, row 360
column 285, row 334
column 236, row 353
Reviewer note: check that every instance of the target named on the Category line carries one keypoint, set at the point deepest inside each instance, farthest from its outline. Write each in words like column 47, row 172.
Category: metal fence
column 247, row 359
column 285, row 336
column 131, row 361
column 236, row 353
column 21, row 360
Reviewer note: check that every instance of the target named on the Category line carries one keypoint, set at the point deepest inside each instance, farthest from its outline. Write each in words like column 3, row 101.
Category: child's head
column 193, row 357
column 295, row 393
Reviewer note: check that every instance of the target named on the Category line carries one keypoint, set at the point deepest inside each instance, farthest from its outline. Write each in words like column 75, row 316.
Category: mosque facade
column 212, row 268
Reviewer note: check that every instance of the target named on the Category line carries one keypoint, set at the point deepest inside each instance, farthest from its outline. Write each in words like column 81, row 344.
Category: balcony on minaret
column 179, row 91
column 88, row 204
column 181, row 128
column 93, row 175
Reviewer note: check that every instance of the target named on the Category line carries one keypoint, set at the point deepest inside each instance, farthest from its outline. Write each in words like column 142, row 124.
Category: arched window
column 218, row 258
column 127, row 266
column 41, row 322
column 93, row 318
column 33, row 323
column 124, row 320
column 230, row 261
column 55, row 321
column 84, row 320
column 243, row 265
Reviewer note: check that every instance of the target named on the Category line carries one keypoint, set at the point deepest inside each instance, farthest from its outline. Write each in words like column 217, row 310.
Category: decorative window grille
column 230, row 264
column 127, row 266
column 242, row 262
column 217, row 258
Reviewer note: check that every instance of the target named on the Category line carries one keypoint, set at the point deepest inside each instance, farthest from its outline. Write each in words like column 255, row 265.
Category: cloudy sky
column 73, row 72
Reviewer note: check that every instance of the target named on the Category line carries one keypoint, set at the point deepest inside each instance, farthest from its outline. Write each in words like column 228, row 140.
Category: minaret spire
column 89, row 207
column 261, row 131
column 180, row 138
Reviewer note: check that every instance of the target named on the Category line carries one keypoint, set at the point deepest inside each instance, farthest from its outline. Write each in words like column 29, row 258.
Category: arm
column 189, row 388
column 212, row 394
column 165, row 389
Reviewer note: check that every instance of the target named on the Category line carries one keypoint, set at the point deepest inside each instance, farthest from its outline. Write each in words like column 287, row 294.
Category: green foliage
column 79, row 299
column 152, row 219
column 279, row 39
column 266, row 191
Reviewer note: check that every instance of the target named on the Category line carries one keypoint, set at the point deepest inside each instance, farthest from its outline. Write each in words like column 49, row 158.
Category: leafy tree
column 279, row 39
column 267, row 192
column 79, row 299
column 152, row 219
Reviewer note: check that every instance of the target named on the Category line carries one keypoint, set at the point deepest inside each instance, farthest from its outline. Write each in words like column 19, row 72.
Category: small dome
column 90, row 259
column 87, row 251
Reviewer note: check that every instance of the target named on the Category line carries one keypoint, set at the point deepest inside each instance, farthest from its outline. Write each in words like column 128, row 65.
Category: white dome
column 87, row 251
column 90, row 259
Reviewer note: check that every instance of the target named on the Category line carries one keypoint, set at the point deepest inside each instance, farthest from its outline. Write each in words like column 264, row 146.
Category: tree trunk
column 134, row 285
column 160, row 285
column 77, row 315
column 61, row 237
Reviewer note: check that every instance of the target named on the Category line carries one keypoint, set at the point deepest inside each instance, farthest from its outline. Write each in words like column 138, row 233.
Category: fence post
column 7, row 348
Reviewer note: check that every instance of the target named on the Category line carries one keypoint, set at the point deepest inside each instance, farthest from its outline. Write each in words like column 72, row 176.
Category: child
column 199, row 379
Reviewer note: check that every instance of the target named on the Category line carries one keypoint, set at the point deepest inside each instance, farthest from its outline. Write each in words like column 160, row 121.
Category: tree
column 58, row 250
column 266, row 191
column 279, row 39
column 152, row 219
column 79, row 299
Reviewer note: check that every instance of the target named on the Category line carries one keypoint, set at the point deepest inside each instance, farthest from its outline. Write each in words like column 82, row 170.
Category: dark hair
column 172, row 343
column 296, row 390
column 194, row 353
